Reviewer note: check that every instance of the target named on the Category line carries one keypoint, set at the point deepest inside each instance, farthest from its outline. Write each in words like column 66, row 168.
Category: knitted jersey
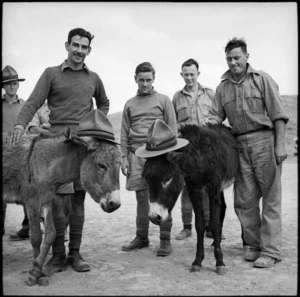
column 69, row 93
column 139, row 113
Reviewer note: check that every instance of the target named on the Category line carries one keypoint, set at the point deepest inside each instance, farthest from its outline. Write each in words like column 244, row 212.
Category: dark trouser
column 68, row 209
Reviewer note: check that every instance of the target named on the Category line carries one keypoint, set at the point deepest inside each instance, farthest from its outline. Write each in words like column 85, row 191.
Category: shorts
column 135, row 181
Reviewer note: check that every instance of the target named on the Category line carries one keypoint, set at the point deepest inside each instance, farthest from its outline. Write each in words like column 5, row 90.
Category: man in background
column 192, row 105
column 11, row 107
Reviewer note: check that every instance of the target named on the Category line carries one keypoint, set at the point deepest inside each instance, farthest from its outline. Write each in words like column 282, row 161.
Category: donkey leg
column 33, row 212
column 49, row 237
column 200, row 229
column 216, row 232
column 222, row 210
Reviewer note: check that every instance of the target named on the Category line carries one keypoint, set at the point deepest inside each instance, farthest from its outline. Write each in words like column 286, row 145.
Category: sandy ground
column 114, row 272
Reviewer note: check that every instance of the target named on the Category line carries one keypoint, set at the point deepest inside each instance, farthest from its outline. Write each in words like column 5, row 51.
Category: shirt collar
column 65, row 65
column 228, row 75
column 17, row 99
column 200, row 89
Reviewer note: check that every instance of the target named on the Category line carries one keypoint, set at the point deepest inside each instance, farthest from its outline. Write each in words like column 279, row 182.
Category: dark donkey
column 209, row 163
column 36, row 166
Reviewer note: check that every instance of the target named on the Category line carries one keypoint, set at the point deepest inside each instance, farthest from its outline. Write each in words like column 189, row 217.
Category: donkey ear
column 175, row 157
column 90, row 142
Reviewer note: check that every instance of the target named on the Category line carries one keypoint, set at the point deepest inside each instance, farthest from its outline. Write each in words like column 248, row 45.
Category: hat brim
column 12, row 79
column 142, row 152
column 97, row 135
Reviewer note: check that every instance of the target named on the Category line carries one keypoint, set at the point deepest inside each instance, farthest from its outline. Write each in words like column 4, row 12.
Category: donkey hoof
column 31, row 281
column 43, row 281
column 195, row 268
column 221, row 270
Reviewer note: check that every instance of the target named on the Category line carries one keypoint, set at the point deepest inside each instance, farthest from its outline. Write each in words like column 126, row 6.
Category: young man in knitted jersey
column 138, row 115
column 69, row 89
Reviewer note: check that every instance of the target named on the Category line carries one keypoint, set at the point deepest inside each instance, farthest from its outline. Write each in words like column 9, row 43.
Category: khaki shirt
column 190, row 110
column 253, row 103
column 10, row 113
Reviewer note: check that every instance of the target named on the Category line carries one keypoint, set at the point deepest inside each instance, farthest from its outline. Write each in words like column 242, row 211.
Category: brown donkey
column 36, row 166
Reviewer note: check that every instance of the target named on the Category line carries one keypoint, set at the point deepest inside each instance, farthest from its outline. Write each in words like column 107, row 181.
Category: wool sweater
column 69, row 93
column 139, row 113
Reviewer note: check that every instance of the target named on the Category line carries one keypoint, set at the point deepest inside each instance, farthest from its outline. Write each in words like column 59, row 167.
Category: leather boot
column 77, row 262
column 137, row 243
column 165, row 248
column 56, row 264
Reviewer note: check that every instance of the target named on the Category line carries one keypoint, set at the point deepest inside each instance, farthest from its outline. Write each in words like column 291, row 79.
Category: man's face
column 190, row 75
column 78, row 49
column 144, row 81
column 11, row 88
column 237, row 62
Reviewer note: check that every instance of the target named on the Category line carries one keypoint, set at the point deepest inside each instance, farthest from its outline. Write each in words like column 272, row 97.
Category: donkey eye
column 102, row 166
column 167, row 179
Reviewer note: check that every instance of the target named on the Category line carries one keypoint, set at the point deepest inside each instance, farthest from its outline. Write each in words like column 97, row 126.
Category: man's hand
column 16, row 134
column 280, row 152
column 125, row 166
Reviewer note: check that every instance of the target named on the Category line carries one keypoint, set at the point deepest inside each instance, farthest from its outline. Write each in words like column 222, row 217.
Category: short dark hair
column 190, row 62
column 144, row 67
column 82, row 33
column 236, row 42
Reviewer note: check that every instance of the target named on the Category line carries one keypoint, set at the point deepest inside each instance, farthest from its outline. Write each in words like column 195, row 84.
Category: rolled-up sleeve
column 216, row 114
column 273, row 99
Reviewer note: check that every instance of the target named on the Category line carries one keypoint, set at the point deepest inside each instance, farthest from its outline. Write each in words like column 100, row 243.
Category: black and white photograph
column 150, row 148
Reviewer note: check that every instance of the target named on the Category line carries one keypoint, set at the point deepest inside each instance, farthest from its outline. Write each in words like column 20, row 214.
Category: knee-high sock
column 76, row 226
column 58, row 246
column 165, row 229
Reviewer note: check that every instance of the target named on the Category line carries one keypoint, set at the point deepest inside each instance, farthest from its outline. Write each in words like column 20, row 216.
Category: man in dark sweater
column 69, row 89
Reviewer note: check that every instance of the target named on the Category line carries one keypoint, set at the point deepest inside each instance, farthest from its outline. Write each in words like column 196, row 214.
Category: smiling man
column 251, row 102
column 138, row 115
column 69, row 89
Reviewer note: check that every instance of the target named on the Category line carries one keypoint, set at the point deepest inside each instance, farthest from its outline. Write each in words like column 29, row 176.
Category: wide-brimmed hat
column 160, row 140
column 96, row 124
column 10, row 74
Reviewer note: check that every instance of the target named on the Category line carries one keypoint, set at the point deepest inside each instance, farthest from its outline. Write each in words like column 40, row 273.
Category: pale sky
column 163, row 33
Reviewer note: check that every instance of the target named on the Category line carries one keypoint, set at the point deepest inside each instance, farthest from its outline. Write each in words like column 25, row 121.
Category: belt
column 252, row 131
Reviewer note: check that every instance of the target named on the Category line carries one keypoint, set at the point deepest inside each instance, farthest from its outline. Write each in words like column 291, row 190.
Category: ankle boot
column 57, row 263
column 77, row 262
column 165, row 248
column 137, row 243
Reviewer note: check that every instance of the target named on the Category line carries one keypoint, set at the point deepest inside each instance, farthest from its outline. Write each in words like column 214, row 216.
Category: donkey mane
column 210, row 150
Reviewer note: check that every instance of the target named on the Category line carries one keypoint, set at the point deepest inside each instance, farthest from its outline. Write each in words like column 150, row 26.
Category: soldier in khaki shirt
column 192, row 105
column 251, row 102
